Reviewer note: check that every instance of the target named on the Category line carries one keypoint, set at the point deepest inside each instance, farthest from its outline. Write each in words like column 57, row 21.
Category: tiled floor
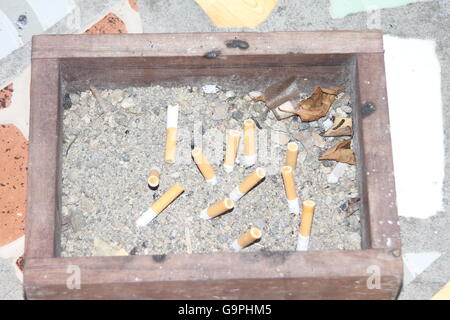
column 425, row 238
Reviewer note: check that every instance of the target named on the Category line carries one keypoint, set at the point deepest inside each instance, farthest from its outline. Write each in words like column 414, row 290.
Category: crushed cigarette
column 291, row 155
column 203, row 165
column 249, row 143
column 337, row 172
column 171, row 136
column 246, row 239
column 238, row 192
column 159, row 205
column 153, row 179
column 290, row 189
column 217, row 209
column 231, row 151
column 305, row 225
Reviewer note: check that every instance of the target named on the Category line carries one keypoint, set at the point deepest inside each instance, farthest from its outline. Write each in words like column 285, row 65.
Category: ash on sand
column 108, row 155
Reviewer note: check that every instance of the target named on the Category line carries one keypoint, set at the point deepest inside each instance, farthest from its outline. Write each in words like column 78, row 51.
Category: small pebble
column 210, row 88
column 255, row 94
column 237, row 115
column 347, row 109
column 230, row 94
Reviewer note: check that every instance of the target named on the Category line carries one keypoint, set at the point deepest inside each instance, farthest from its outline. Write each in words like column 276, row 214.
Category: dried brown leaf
column 341, row 127
column 259, row 99
column 340, row 152
column 317, row 105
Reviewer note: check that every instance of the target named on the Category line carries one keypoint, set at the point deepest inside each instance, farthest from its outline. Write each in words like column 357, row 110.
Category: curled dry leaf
column 340, row 152
column 317, row 105
column 341, row 127
column 261, row 98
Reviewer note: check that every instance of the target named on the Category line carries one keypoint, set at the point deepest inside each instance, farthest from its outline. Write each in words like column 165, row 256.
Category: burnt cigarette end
column 212, row 54
column 367, row 109
column 243, row 45
column 159, row 257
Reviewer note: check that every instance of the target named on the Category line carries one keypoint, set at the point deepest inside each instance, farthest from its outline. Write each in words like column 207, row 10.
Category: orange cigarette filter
column 232, row 149
column 249, row 143
column 217, row 209
column 290, row 189
column 247, row 239
column 291, row 155
column 203, row 165
column 247, row 184
column 305, row 225
column 289, row 184
column 307, row 217
column 167, row 198
column 153, row 179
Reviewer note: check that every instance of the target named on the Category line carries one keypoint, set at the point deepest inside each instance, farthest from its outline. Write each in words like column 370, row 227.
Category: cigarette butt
column 305, row 225
column 171, row 133
column 249, row 143
column 159, row 205
column 291, row 155
column 217, row 209
column 153, row 179
column 290, row 190
column 231, row 151
column 203, row 165
column 246, row 239
column 246, row 185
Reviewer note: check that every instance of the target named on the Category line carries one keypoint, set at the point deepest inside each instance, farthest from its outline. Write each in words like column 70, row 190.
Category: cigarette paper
column 249, row 143
column 153, row 179
column 305, row 225
column 251, row 181
column 217, row 209
column 160, row 205
column 203, row 165
column 231, row 151
column 246, row 239
column 291, row 155
column 171, row 133
column 290, row 189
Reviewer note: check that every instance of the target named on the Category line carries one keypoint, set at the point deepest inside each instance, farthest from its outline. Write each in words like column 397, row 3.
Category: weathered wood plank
column 196, row 44
column 42, row 219
column 262, row 275
column 377, row 170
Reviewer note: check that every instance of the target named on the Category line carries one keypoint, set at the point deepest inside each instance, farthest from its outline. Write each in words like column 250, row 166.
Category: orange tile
column 13, row 181
column 133, row 5
column 6, row 96
column 109, row 24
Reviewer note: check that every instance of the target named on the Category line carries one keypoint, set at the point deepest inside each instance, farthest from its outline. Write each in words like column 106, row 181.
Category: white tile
column 50, row 12
column 18, row 112
column 9, row 37
column 416, row 263
column 413, row 76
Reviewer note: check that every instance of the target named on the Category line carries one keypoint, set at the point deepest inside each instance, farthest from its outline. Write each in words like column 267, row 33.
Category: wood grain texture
column 42, row 220
column 262, row 275
column 377, row 169
column 198, row 44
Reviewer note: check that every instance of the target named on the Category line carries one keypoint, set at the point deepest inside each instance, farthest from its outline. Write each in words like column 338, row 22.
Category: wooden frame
column 143, row 58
